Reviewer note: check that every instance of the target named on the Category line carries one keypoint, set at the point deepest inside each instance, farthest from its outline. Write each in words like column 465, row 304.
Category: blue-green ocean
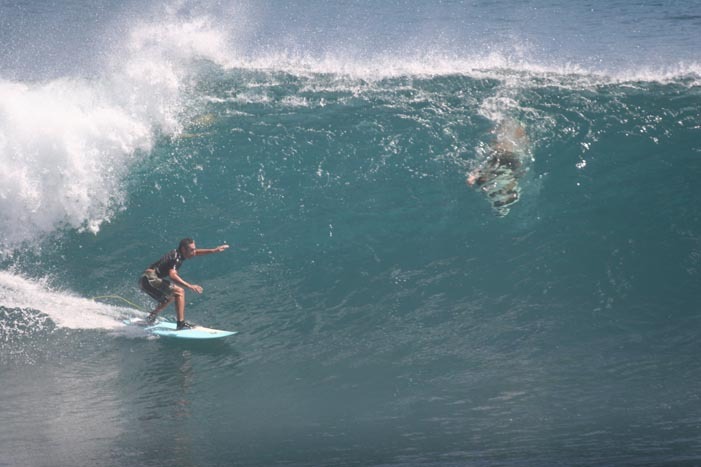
column 388, row 313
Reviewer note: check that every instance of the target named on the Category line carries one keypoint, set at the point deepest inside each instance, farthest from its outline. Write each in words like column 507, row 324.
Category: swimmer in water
column 498, row 176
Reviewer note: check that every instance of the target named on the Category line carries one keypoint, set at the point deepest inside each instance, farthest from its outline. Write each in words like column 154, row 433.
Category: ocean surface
column 388, row 313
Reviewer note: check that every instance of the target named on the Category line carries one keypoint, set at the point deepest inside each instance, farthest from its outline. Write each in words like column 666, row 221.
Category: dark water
column 387, row 313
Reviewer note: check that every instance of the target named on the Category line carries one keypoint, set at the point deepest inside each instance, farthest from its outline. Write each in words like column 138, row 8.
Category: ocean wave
column 68, row 144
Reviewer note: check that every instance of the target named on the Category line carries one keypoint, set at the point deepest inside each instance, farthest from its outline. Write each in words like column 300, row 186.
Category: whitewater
column 390, row 309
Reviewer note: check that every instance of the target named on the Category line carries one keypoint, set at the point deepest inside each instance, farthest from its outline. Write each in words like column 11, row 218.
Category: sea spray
column 67, row 144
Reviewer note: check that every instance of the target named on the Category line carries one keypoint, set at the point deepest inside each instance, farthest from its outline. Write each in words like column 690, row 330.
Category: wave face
column 388, row 312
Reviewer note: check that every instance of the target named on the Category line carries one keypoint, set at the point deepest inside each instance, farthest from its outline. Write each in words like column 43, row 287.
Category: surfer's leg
column 180, row 309
column 160, row 290
column 161, row 306
column 179, row 295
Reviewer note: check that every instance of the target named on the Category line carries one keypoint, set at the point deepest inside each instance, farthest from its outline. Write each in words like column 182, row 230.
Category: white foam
column 511, row 66
column 63, row 149
column 66, row 145
column 63, row 308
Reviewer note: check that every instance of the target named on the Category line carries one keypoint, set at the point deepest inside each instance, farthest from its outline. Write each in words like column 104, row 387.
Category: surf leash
column 103, row 297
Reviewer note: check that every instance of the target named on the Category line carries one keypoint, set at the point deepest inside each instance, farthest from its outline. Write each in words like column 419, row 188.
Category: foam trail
column 64, row 309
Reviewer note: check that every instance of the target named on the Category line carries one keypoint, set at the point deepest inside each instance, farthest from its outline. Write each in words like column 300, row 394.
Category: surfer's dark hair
column 184, row 243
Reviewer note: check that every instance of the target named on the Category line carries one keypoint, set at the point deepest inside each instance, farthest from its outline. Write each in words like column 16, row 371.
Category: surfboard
column 166, row 329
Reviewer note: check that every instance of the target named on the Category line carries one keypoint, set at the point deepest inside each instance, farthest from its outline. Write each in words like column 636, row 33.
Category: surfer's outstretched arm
column 207, row 251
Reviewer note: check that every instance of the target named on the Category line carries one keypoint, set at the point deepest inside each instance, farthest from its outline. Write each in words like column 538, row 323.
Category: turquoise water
column 387, row 313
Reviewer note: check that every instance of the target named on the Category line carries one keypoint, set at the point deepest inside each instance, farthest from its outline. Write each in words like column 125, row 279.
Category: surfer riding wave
column 153, row 281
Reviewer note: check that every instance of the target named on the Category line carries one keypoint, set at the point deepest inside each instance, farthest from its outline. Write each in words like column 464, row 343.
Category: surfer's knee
column 178, row 291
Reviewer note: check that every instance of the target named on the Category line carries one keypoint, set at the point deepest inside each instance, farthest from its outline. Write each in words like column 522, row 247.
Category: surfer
column 153, row 281
column 498, row 176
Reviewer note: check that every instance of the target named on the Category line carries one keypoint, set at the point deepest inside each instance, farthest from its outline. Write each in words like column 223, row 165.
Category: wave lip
column 502, row 65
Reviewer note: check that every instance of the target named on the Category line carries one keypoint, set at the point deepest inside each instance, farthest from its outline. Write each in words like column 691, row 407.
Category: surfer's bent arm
column 207, row 251
column 173, row 274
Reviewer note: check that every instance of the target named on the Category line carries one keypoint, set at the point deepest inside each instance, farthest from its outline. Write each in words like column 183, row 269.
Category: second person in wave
column 154, row 280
